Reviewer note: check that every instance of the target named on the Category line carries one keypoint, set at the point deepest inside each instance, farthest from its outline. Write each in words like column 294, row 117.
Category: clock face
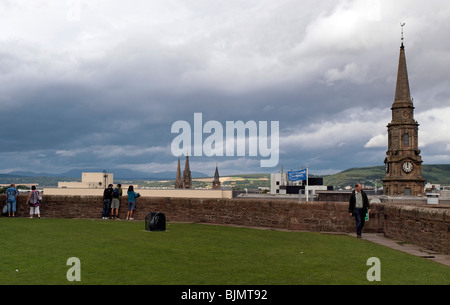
column 407, row 167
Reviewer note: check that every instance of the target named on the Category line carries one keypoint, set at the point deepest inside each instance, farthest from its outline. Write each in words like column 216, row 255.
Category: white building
column 90, row 180
column 276, row 181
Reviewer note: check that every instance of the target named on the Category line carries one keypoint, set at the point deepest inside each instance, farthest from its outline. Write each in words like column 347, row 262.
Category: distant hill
column 438, row 173
column 435, row 173
column 118, row 174
column 51, row 180
column 42, row 181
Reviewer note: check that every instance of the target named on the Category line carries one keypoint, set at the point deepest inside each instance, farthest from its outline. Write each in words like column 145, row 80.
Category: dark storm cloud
column 104, row 90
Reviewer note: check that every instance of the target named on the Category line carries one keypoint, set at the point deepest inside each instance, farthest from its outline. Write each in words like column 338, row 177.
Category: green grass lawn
column 121, row 252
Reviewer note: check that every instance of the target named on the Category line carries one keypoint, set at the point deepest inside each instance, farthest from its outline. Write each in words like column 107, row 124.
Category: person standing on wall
column 34, row 201
column 358, row 207
column 115, row 204
column 107, row 198
column 11, row 200
column 132, row 195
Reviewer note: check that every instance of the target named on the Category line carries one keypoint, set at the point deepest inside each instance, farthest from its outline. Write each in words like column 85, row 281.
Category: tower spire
column 216, row 174
column 216, row 181
column 187, row 178
column 402, row 91
column 178, row 181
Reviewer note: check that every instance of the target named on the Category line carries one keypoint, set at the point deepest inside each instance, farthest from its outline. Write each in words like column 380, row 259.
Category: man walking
column 358, row 207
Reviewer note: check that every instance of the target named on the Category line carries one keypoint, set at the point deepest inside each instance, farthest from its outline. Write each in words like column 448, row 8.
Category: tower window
column 405, row 139
column 407, row 192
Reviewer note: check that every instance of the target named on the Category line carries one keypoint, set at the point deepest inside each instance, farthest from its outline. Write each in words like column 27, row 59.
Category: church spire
column 178, row 182
column 216, row 174
column 402, row 91
column 187, row 178
column 216, row 181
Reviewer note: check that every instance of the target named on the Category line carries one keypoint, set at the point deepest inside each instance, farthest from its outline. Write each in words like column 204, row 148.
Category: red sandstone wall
column 279, row 214
column 424, row 226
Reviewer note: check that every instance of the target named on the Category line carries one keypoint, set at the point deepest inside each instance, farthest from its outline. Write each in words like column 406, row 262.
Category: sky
column 101, row 84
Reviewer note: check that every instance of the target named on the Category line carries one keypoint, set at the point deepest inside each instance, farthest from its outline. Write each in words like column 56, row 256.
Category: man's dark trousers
column 360, row 219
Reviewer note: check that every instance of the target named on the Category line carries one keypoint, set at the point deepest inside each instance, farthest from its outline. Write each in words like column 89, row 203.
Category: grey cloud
column 118, row 80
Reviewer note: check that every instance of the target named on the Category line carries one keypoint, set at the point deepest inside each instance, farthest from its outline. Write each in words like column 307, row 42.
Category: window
column 405, row 139
column 407, row 192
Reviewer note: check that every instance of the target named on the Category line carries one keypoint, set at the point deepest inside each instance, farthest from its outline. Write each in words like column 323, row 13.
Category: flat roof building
column 90, row 180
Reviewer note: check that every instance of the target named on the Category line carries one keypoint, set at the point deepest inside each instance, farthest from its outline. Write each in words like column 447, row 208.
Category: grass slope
column 119, row 252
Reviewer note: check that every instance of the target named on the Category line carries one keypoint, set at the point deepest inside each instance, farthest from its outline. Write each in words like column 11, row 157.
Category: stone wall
column 278, row 214
column 424, row 226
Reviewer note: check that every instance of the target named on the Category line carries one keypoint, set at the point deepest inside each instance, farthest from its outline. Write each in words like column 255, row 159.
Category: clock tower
column 403, row 162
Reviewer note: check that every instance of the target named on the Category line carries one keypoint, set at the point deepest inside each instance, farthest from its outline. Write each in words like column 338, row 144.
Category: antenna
column 402, row 25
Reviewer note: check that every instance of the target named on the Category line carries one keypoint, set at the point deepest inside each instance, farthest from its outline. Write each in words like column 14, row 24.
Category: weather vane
column 402, row 25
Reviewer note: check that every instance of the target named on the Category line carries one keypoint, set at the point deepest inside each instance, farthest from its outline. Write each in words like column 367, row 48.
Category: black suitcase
column 155, row 222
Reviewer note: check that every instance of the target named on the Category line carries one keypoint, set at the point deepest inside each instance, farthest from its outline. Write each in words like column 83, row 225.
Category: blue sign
column 297, row 175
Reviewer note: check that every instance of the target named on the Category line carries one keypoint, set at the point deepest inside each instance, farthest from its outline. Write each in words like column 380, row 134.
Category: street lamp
column 105, row 175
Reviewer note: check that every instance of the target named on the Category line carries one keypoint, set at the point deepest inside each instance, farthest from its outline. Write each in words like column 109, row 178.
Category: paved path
column 406, row 247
